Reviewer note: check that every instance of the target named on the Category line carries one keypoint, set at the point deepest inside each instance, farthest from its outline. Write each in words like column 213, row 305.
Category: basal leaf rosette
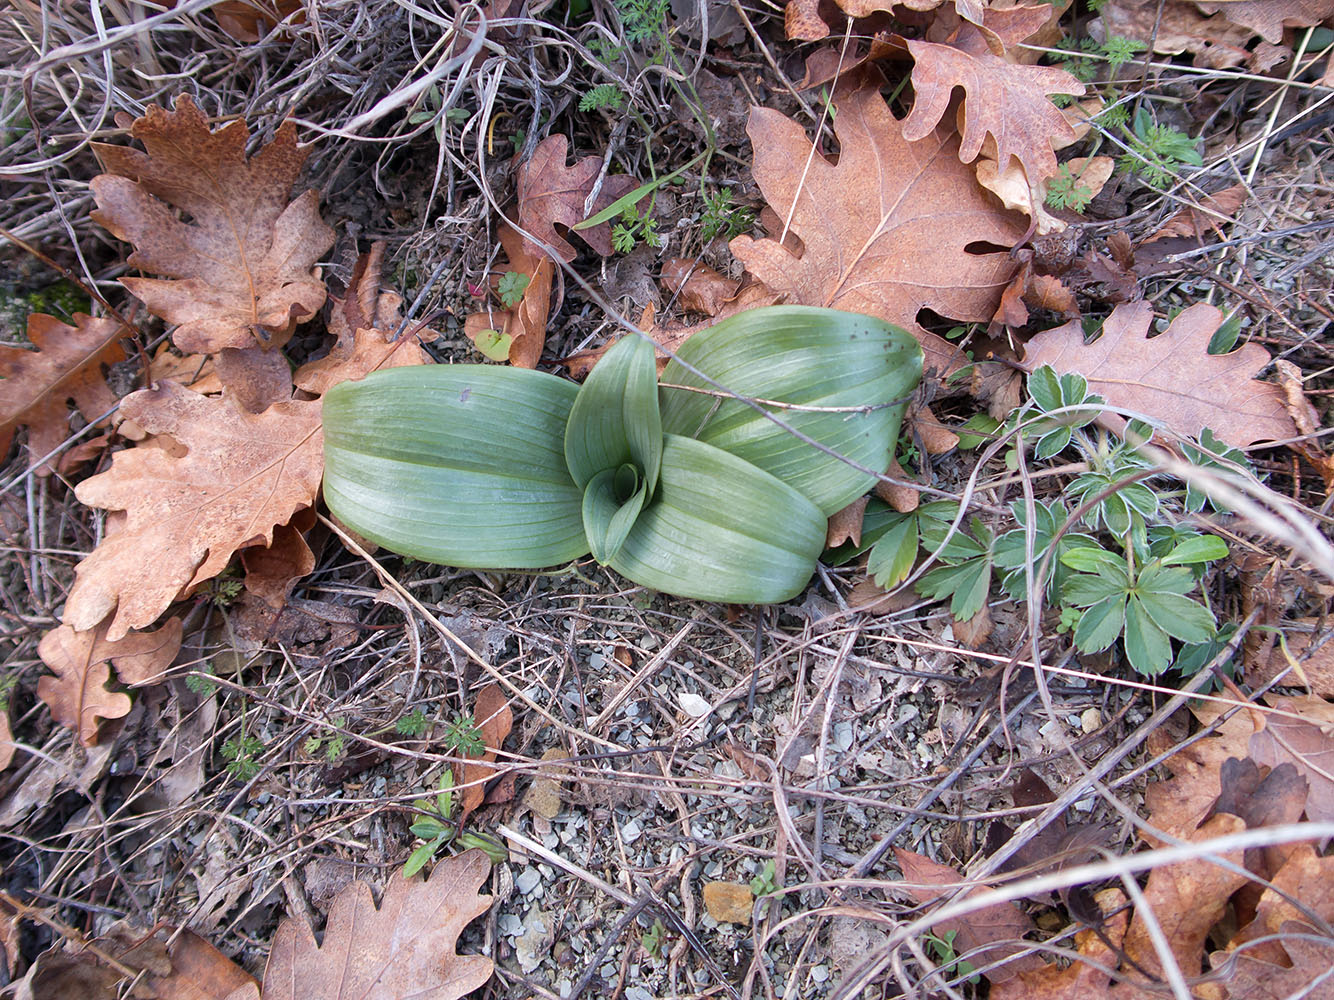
column 680, row 487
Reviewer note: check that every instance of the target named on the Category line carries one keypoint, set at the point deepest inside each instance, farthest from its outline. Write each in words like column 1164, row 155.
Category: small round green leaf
column 720, row 529
column 461, row 464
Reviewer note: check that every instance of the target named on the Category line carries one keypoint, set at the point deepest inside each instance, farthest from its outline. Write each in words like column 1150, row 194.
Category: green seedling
column 241, row 755
column 942, row 949
column 653, row 938
column 331, row 748
column 463, row 737
column 603, row 97
column 511, row 287
column 764, row 883
column 433, row 826
column 415, row 723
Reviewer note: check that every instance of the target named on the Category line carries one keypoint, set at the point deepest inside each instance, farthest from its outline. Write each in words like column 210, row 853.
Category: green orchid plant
column 676, row 485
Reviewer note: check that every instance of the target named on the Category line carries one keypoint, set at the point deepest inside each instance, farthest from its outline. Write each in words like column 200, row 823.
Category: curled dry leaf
column 1004, row 100
column 1000, row 926
column 494, row 719
column 241, row 475
column 271, row 571
column 1301, row 732
column 241, row 273
column 1311, row 655
column 81, row 661
column 526, row 324
column 405, row 948
column 1170, row 377
column 892, row 228
column 846, row 525
column 66, row 365
column 698, row 288
column 7, row 747
column 552, row 194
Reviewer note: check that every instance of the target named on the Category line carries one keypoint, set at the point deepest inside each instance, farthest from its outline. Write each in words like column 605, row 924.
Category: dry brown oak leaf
column 494, row 719
column 1170, row 377
column 185, row 515
column 886, row 229
column 82, row 661
column 1005, row 100
column 1268, row 18
column 526, row 323
column 1000, row 926
column 67, row 364
column 1308, row 956
column 241, row 271
column 403, row 949
column 551, row 194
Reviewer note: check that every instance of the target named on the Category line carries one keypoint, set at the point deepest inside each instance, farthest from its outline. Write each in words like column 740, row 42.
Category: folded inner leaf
column 720, row 529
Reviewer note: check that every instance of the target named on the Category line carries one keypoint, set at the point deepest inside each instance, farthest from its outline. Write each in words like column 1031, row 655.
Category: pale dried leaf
column 551, row 194
column 66, row 365
column 846, row 525
column 199, row 971
column 886, row 228
column 405, row 948
column 494, row 719
column 81, row 661
column 1171, row 377
column 242, row 475
column 241, row 272
column 1001, row 925
column 1306, row 741
column 1004, row 100
column 1268, row 18
column 698, row 288
column 271, row 571
column 369, row 349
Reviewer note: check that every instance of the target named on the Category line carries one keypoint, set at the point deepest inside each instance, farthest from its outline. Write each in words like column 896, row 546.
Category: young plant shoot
column 684, row 487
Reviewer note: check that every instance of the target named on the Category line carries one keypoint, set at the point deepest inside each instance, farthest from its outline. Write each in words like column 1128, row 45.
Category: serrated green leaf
column 966, row 584
column 1084, row 589
column 1199, row 549
column 1178, row 616
column 615, row 419
column 1155, row 578
column 609, row 513
column 1088, row 559
column 1147, row 646
column 805, row 356
column 1052, row 443
column 1045, row 387
column 460, row 464
column 892, row 558
column 1100, row 624
column 720, row 529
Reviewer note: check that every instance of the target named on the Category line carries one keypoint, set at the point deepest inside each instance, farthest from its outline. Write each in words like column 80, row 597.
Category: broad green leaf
column 615, row 418
column 1156, row 578
column 720, row 529
column 1199, row 549
column 610, row 507
column 1087, row 559
column 805, row 356
column 976, row 430
column 892, row 558
column 456, row 464
column 1178, row 616
column 1100, row 624
column 1147, row 647
column 933, row 523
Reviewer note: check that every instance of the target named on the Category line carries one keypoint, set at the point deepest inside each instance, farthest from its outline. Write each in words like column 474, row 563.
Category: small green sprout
column 240, row 754
column 764, row 883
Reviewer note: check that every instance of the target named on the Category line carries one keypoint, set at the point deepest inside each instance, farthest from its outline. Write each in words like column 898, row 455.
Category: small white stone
column 693, row 705
column 819, row 973
column 630, row 832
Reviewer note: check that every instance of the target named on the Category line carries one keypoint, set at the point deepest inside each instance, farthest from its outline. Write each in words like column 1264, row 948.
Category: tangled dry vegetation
column 1053, row 719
